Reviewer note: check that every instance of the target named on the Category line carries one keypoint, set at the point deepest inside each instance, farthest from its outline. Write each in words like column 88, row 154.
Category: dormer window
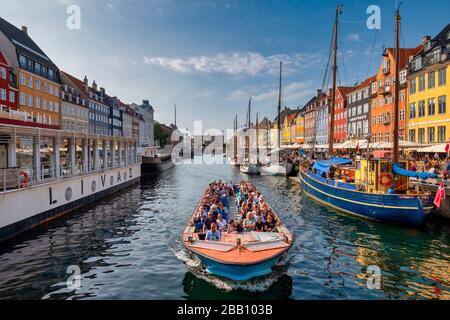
column 428, row 46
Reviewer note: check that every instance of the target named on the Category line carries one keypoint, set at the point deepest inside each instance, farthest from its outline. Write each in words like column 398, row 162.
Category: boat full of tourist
column 237, row 243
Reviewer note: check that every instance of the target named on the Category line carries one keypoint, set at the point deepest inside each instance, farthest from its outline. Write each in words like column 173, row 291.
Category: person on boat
column 221, row 223
column 213, row 234
column 222, row 209
column 259, row 225
column 235, row 226
column 208, row 222
column 244, row 210
column 269, row 225
column 249, row 222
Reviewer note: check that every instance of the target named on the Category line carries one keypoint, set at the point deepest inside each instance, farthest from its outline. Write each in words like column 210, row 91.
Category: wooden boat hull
column 394, row 209
column 238, row 272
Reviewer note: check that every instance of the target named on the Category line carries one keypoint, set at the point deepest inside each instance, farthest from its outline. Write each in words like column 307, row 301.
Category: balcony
column 386, row 90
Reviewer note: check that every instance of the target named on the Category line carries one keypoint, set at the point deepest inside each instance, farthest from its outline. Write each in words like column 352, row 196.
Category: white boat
column 273, row 170
column 250, row 169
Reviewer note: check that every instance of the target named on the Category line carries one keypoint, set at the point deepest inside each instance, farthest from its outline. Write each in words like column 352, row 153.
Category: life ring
column 385, row 180
column 25, row 179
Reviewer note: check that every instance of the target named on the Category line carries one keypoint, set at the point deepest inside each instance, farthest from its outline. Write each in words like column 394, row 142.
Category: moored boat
column 250, row 169
column 369, row 195
column 237, row 256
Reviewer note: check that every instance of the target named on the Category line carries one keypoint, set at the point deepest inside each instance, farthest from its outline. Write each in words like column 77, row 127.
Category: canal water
column 128, row 247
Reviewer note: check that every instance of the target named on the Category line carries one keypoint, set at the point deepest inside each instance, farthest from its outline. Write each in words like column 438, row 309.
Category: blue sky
column 209, row 57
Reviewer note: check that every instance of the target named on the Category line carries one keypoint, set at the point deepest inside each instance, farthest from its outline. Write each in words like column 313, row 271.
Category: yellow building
column 300, row 129
column 428, row 118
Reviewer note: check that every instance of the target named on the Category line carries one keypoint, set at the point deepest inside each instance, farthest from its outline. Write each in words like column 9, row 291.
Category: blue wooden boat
column 371, row 198
column 238, row 256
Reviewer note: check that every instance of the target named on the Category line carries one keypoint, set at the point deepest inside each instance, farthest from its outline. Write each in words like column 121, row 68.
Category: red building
column 340, row 114
column 8, row 90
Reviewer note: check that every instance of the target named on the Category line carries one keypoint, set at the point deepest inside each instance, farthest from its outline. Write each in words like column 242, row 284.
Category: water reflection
column 128, row 247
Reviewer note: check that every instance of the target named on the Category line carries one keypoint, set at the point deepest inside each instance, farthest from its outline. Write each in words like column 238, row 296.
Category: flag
column 440, row 195
column 447, row 147
column 357, row 148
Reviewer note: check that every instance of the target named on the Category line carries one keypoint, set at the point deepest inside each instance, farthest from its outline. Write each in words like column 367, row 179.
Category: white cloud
column 291, row 93
column 110, row 5
column 237, row 95
column 354, row 37
column 238, row 63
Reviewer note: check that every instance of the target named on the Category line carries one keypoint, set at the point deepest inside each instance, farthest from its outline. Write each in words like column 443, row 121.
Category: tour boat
column 238, row 256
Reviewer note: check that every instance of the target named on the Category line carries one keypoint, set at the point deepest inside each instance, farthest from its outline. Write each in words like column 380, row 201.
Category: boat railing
column 24, row 177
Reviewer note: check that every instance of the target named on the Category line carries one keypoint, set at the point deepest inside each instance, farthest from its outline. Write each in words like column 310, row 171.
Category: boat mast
column 396, row 87
column 279, row 107
column 257, row 136
column 333, row 103
column 235, row 137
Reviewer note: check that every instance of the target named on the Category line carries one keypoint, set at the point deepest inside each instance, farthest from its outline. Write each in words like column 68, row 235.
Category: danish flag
column 440, row 195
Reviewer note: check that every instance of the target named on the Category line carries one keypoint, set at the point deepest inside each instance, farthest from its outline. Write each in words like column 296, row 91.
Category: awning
column 439, row 148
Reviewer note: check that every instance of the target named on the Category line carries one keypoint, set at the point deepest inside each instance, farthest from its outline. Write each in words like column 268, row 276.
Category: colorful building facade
column 340, row 114
column 38, row 77
column 8, row 89
column 383, row 104
column 358, row 111
column 429, row 90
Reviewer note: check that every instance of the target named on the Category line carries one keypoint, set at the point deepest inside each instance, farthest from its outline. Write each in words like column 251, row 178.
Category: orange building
column 383, row 103
column 37, row 76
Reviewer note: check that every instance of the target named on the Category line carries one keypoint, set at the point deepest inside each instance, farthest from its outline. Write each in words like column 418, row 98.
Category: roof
column 364, row 84
column 3, row 60
column 443, row 38
column 405, row 53
column 24, row 44
column 77, row 82
column 345, row 90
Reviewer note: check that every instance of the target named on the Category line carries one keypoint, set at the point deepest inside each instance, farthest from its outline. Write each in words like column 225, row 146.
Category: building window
column 44, row 104
column 421, row 135
column 30, row 101
column 412, row 135
column 3, row 94
column 386, row 136
column 431, row 79
column 431, row 107
column 22, row 79
column 56, row 107
column 402, row 95
column 442, row 104
column 421, row 108
column 442, row 138
column 374, row 103
column 430, row 135
column 380, row 136
column 421, row 83
column 38, row 84
column 374, row 120
column 37, row 102
column 12, row 97
column 442, row 77
column 3, row 73
column 22, row 98
column 412, row 86
column 50, row 105
column 412, row 110
column 403, row 75
column 402, row 114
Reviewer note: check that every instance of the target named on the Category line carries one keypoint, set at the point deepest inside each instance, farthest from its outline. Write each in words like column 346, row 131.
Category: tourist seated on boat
column 213, row 234
column 258, row 214
column 207, row 223
column 222, row 209
column 249, row 222
column 269, row 225
column 221, row 223
column 259, row 225
column 235, row 226
column 244, row 210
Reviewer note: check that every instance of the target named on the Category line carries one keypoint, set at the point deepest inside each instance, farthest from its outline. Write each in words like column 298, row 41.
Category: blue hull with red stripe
column 407, row 210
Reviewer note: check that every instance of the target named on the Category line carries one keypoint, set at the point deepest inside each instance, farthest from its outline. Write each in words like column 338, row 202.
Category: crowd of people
column 213, row 214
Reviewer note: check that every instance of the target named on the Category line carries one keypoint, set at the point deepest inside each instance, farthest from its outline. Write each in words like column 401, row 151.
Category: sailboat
column 278, row 168
column 234, row 160
column 381, row 190
column 249, row 167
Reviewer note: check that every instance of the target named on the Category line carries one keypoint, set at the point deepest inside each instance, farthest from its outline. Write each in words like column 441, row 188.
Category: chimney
column 425, row 39
column 94, row 86
column 85, row 80
column 25, row 29
column 318, row 93
column 102, row 90
column 145, row 102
